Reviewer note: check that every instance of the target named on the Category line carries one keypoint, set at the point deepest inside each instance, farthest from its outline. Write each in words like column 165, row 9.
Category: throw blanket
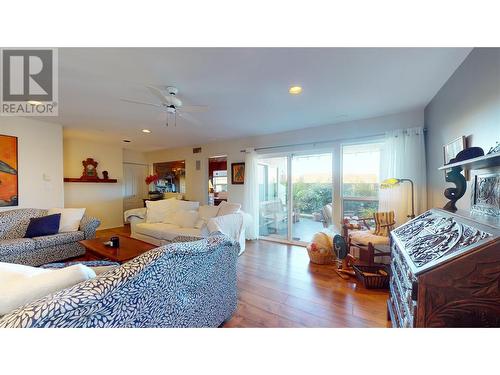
column 230, row 225
column 137, row 212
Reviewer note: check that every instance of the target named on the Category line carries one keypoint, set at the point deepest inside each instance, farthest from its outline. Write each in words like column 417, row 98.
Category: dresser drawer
column 403, row 287
column 405, row 273
column 404, row 317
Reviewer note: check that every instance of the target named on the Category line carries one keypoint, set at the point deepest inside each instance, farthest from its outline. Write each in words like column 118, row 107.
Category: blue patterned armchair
column 39, row 250
column 186, row 284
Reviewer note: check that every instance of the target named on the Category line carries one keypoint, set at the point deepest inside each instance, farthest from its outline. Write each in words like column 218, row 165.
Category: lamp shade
column 389, row 183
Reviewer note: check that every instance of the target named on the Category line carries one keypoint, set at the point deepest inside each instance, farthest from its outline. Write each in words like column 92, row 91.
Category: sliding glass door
column 296, row 190
column 295, row 196
column 311, row 195
column 273, row 197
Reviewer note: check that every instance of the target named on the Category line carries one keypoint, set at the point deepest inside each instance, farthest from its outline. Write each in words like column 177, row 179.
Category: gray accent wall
column 468, row 104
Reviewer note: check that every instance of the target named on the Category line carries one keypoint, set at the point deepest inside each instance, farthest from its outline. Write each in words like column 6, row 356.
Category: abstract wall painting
column 8, row 171
column 238, row 173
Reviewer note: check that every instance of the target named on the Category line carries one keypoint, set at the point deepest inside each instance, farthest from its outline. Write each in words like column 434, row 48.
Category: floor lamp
column 392, row 182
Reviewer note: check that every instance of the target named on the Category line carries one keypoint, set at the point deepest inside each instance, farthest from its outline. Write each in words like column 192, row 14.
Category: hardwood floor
column 279, row 287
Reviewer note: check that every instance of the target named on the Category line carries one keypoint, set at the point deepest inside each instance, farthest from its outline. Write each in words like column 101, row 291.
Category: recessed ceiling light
column 295, row 90
column 34, row 102
column 127, row 141
column 146, row 131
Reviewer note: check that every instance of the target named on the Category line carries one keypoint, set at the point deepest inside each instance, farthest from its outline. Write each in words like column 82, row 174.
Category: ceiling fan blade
column 189, row 118
column 143, row 103
column 159, row 94
column 194, row 108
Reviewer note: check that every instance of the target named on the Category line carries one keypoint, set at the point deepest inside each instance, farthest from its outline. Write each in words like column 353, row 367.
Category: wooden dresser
column 445, row 271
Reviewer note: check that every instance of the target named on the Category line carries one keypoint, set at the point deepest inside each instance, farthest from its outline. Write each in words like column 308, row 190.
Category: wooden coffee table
column 129, row 248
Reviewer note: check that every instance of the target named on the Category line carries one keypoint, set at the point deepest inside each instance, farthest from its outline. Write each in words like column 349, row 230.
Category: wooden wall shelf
column 486, row 161
column 95, row 181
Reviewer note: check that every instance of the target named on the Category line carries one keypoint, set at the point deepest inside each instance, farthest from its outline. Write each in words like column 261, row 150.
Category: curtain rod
column 320, row 142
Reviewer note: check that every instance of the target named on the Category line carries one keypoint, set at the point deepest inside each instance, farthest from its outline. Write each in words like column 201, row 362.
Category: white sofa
column 156, row 224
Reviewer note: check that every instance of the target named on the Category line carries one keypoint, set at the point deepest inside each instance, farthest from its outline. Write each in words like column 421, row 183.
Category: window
column 360, row 179
column 220, row 181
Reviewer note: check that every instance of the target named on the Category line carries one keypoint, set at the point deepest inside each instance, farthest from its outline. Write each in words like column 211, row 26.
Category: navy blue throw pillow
column 43, row 226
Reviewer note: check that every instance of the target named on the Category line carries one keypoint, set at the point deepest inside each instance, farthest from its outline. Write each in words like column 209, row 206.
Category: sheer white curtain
column 251, row 195
column 403, row 156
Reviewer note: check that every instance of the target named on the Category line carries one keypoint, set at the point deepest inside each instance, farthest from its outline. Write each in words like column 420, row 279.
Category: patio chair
column 273, row 216
column 327, row 213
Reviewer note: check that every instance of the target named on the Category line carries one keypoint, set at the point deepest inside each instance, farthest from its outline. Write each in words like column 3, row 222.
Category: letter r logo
column 27, row 75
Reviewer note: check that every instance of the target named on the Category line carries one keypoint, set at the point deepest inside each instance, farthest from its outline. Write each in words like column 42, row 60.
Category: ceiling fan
column 171, row 104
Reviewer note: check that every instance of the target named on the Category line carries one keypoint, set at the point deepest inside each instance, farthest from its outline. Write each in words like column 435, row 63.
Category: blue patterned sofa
column 39, row 250
column 186, row 284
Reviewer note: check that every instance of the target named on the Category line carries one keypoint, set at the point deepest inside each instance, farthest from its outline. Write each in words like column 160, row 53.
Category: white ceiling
column 246, row 89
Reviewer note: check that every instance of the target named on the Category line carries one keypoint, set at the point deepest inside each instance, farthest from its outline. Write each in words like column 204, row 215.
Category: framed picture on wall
column 238, row 173
column 485, row 197
column 450, row 150
column 8, row 171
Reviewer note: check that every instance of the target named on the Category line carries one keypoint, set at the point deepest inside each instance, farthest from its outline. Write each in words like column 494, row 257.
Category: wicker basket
column 370, row 276
column 318, row 258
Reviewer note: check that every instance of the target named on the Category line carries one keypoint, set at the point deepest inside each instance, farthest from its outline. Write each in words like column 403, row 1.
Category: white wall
column 40, row 162
column 197, row 180
column 134, row 157
column 468, row 104
column 102, row 200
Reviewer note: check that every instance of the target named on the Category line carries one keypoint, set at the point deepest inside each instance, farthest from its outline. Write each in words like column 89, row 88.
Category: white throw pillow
column 184, row 219
column 205, row 213
column 20, row 285
column 156, row 211
column 70, row 218
column 187, row 205
column 226, row 208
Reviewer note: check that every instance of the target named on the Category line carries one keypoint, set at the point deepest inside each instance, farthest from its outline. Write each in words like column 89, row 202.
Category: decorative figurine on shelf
column 90, row 174
column 454, row 194
column 494, row 149
column 89, row 169
column 455, row 176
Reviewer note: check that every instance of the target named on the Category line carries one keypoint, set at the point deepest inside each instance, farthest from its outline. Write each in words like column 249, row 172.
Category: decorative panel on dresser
column 445, row 271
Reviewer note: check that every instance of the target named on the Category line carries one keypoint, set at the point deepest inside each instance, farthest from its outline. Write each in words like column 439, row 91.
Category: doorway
column 217, row 180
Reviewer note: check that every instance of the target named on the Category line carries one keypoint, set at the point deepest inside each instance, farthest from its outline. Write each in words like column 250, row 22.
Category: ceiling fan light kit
column 170, row 103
